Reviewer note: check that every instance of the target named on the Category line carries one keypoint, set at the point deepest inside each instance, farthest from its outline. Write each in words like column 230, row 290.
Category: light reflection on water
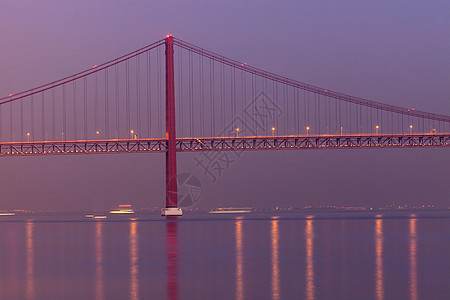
column 275, row 259
column 99, row 288
column 413, row 257
column 309, row 270
column 379, row 280
column 279, row 258
column 134, row 256
column 239, row 260
column 30, row 261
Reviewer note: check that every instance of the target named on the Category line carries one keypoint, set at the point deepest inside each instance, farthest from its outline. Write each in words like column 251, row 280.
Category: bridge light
column 273, row 131
column 94, row 67
column 10, row 95
column 237, row 132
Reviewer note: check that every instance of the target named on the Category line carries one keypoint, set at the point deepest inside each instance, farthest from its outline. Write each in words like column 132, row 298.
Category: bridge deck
column 225, row 144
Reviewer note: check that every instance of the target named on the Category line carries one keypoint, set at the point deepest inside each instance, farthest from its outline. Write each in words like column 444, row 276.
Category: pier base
column 171, row 211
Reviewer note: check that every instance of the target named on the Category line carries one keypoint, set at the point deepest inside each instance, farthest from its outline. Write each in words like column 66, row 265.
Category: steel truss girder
column 225, row 144
column 312, row 142
column 82, row 147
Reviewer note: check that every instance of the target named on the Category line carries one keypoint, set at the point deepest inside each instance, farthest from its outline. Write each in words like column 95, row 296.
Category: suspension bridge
column 172, row 96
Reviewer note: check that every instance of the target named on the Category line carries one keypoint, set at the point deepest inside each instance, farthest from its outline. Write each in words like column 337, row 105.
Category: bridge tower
column 171, row 208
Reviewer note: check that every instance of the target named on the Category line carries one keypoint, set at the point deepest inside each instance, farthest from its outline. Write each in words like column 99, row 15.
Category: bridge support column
column 171, row 208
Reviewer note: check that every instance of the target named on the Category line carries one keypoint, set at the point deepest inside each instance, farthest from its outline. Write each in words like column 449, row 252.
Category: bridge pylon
column 171, row 208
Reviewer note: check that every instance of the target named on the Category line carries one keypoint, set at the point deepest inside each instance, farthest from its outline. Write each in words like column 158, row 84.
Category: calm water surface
column 201, row 256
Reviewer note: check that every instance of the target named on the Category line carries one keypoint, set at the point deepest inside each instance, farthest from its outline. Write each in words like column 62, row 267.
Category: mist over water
column 249, row 256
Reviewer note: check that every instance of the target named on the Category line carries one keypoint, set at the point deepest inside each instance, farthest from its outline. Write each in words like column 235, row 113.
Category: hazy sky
column 394, row 52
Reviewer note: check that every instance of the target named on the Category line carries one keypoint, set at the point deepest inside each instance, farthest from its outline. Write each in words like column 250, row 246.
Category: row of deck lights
column 132, row 135
column 377, row 127
column 97, row 133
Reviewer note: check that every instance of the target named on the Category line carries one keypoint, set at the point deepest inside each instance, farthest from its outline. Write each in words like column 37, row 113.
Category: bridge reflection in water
column 273, row 257
column 172, row 259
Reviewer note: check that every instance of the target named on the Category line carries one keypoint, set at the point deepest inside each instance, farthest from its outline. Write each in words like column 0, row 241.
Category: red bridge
column 212, row 103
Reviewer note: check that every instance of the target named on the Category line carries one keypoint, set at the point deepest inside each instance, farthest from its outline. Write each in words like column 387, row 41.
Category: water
column 201, row 256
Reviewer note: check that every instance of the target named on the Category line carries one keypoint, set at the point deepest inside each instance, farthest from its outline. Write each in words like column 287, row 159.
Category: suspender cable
column 106, row 104
column 286, row 112
column 64, row 111
column 138, row 96
column 43, row 117
column 85, row 108
column 222, row 104
column 211, row 96
column 160, row 98
column 21, row 133
column 242, row 94
column 95, row 103
column 233, row 97
column 32, row 116
column 117, row 90
column 11, row 121
column 202, row 98
column 53, row 115
column 296, row 111
column 149, row 96
column 179, row 93
column 74, row 107
column 191, row 104
column 255, row 129
column 127, row 99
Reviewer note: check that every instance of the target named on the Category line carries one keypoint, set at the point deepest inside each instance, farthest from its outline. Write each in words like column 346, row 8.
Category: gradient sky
column 393, row 52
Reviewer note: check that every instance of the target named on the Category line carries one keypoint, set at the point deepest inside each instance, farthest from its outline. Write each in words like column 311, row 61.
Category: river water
column 248, row 256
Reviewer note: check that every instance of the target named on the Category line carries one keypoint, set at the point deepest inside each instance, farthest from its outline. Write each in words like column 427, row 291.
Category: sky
column 393, row 52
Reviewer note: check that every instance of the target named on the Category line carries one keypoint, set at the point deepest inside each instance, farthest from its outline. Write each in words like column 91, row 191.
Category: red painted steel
column 171, row 159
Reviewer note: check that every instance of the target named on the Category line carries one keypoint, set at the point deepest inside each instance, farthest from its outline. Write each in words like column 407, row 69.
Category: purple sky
column 397, row 53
